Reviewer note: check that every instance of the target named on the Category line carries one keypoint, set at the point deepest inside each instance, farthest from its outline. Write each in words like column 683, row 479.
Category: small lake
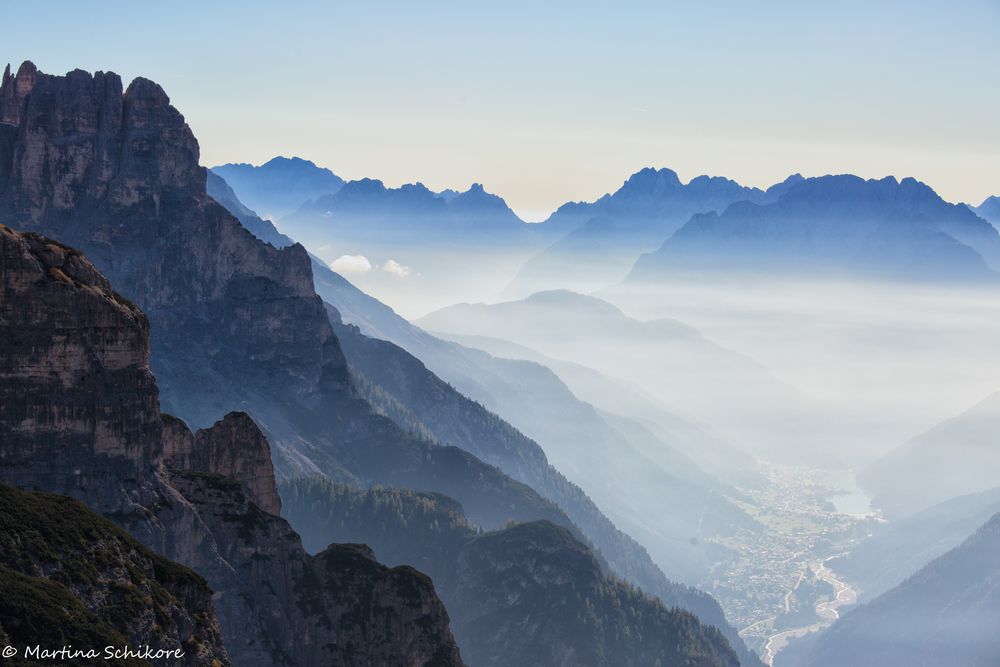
column 850, row 499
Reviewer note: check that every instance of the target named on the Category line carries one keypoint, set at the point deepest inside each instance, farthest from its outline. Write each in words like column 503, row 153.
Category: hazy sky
column 550, row 101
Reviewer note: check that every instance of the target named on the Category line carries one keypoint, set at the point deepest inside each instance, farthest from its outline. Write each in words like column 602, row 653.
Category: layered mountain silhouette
column 945, row 614
column 79, row 415
column 595, row 243
column 281, row 185
column 366, row 213
column 709, row 382
column 839, row 226
column 236, row 324
column 415, row 245
column 414, row 396
column 955, row 458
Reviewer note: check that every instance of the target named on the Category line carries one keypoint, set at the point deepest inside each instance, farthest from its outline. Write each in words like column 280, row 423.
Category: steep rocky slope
column 79, row 416
column 526, row 595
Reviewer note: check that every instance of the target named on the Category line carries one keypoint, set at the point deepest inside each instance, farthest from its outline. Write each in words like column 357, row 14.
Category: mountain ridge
column 839, row 224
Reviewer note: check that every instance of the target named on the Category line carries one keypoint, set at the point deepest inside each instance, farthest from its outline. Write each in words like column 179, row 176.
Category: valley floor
column 775, row 583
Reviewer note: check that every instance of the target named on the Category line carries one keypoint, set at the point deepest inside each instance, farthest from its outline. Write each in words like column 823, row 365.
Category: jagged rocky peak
column 116, row 175
column 16, row 87
column 233, row 447
column 131, row 148
column 101, row 169
column 648, row 176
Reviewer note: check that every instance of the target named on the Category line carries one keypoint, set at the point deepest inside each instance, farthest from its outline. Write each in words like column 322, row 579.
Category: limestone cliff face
column 233, row 447
column 116, row 175
column 235, row 322
column 74, row 377
column 79, row 415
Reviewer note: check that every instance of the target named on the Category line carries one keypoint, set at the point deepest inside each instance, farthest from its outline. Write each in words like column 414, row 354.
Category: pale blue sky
column 545, row 102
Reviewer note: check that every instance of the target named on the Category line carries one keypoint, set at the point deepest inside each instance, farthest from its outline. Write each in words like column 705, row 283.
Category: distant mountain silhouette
column 595, row 243
column 834, row 225
column 989, row 210
column 367, row 213
column 279, row 186
column 957, row 457
column 708, row 382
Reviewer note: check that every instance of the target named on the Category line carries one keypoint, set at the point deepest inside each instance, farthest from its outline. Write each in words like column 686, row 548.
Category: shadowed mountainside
column 79, row 415
column 525, row 595
column 407, row 390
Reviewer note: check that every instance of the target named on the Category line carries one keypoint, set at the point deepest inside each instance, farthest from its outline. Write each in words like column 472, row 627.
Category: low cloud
column 396, row 269
column 351, row 264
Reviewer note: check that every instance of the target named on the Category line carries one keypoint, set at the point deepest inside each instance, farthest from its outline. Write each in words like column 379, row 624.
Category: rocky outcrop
column 71, row 577
column 80, row 416
column 339, row 607
column 233, row 447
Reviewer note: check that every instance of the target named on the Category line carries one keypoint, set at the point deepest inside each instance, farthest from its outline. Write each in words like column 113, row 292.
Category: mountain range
column 235, row 323
column 409, row 392
column 365, row 214
column 594, row 244
column 827, row 227
column 839, row 226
